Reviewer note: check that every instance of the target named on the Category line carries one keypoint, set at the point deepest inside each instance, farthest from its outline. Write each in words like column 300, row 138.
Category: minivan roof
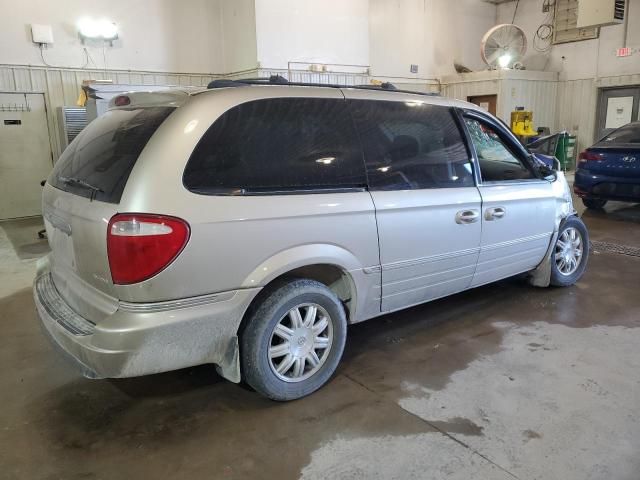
column 179, row 95
column 377, row 91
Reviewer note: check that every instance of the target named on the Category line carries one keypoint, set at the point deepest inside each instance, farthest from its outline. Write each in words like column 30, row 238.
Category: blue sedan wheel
column 594, row 203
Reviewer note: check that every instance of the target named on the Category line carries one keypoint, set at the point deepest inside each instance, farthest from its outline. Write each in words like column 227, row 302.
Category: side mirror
column 547, row 173
column 545, row 164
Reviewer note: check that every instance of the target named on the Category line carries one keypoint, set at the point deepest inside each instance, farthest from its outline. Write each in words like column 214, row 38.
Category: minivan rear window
column 278, row 145
column 98, row 162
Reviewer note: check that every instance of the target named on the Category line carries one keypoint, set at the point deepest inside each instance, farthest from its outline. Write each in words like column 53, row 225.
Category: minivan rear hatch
column 82, row 193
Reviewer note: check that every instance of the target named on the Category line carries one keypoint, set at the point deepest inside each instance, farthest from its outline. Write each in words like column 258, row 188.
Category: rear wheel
column 570, row 254
column 293, row 340
column 594, row 203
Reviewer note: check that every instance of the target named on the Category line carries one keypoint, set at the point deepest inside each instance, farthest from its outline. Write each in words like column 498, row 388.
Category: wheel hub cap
column 300, row 342
column 568, row 251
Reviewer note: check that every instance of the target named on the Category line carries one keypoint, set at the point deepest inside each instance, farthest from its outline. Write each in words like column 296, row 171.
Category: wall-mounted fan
column 503, row 45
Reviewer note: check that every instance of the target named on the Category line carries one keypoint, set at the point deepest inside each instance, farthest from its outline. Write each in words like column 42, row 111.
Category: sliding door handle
column 495, row 213
column 467, row 216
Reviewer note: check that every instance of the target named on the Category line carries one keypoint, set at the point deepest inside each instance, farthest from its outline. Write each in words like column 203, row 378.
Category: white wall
column 586, row 59
column 388, row 35
column 322, row 31
column 430, row 33
column 156, row 35
column 238, row 27
column 222, row 36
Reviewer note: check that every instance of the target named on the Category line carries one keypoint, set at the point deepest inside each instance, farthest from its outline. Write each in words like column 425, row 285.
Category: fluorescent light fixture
column 504, row 60
column 97, row 29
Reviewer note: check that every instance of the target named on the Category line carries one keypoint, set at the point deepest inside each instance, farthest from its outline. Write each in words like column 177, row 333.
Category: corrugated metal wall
column 561, row 105
column 576, row 110
column 536, row 95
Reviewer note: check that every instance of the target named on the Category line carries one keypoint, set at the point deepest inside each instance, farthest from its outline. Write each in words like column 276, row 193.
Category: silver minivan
column 248, row 224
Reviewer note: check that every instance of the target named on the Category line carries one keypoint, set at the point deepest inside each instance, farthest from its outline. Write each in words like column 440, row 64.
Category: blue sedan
column 610, row 169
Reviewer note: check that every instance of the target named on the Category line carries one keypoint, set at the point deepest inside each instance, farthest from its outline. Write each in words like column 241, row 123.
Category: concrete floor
column 504, row 381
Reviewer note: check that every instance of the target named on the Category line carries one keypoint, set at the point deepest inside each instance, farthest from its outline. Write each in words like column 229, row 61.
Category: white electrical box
column 41, row 33
column 600, row 13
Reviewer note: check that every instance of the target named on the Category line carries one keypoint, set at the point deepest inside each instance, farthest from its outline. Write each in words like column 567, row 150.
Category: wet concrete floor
column 504, row 381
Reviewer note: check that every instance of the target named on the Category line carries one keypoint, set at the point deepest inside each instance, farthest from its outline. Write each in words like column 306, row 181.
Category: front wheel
column 570, row 254
column 594, row 203
column 293, row 340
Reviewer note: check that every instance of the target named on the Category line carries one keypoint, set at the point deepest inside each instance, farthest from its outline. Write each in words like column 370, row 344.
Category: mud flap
column 541, row 276
column 229, row 368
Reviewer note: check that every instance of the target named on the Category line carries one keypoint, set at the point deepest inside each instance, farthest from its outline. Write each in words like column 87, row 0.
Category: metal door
column 617, row 107
column 25, row 153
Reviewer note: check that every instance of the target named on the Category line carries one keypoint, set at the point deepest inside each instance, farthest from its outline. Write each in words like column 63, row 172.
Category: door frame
column 45, row 102
column 46, row 113
column 601, row 106
column 493, row 95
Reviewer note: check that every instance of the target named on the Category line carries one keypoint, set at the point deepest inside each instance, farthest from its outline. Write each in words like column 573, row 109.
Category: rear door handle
column 494, row 213
column 467, row 216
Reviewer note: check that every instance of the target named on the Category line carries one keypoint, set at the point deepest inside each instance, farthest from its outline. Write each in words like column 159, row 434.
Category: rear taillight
column 588, row 156
column 140, row 245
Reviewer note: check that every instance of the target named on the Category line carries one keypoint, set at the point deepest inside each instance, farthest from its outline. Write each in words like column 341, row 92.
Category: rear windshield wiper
column 81, row 183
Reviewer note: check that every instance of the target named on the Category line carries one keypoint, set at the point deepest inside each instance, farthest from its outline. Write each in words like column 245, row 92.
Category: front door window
column 497, row 162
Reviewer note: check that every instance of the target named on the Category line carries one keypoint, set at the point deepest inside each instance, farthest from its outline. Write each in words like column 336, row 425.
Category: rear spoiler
column 161, row 98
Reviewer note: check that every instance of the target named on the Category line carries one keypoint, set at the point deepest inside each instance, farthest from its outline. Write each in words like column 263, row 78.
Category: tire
column 594, row 203
column 563, row 272
column 260, row 340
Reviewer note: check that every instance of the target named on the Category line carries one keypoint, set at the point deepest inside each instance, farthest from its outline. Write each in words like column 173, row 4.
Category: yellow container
column 522, row 123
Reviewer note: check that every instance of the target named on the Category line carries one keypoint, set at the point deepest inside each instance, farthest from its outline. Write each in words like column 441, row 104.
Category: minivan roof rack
column 280, row 80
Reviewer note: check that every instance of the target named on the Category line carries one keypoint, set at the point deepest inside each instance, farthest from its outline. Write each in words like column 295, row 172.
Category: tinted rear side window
column 98, row 162
column 278, row 145
column 411, row 145
column 624, row 135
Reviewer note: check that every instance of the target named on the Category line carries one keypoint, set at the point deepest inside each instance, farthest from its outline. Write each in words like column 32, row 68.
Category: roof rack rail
column 280, row 80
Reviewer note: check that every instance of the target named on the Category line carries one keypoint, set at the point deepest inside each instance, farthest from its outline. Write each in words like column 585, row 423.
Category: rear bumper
column 588, row 184
column 140, row 339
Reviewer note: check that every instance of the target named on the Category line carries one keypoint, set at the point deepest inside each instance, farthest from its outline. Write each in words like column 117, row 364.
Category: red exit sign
column 623, row 52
